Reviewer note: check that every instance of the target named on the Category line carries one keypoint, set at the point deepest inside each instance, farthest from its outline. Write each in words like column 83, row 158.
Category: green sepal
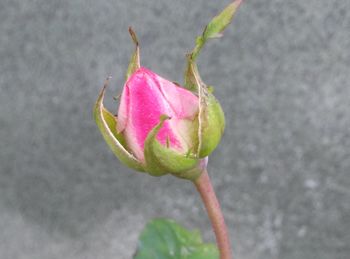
column 211, row 119
column 221, row 21
column 211, row 125
column 195, row 172
column 211, row 116
column 190, row 74
column 107, row 123
column 160, row 159
column 134, row 63
column 213, row 29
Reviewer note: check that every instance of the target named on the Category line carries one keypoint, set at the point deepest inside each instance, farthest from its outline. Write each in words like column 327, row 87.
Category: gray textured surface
column 282, row 171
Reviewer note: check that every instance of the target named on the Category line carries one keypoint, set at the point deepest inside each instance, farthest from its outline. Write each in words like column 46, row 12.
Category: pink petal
column 146, row 96
column 146, row 104
column 183, row 102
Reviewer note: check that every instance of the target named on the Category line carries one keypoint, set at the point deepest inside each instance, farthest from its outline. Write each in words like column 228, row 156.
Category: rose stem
column 207, row 193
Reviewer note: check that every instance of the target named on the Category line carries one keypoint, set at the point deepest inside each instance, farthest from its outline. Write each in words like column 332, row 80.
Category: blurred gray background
column 282, row 172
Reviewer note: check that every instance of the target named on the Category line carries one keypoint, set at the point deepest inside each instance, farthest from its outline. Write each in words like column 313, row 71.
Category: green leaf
column 135, row 58
column 165, row 239
column 107, row 123
column 160, row 159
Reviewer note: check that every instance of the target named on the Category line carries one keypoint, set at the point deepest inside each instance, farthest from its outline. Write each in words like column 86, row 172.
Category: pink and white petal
column 183, row 102
column 187, row 130
column 123, row 112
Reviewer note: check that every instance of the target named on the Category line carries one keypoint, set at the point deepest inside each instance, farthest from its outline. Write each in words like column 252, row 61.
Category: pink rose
column 146, row 96
column 162, row 127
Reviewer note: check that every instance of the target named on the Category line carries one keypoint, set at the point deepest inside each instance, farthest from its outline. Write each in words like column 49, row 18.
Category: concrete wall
column 282, row 172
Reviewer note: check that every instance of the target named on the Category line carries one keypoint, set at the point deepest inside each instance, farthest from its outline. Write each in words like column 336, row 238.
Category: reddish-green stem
column 206, row 190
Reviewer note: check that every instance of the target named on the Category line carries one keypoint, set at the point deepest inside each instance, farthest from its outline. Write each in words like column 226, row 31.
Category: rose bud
column 160, row 126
